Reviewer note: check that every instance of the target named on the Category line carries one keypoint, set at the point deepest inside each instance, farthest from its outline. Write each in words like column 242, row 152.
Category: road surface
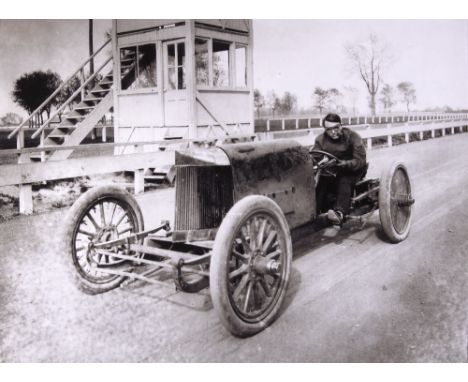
column 353, row 298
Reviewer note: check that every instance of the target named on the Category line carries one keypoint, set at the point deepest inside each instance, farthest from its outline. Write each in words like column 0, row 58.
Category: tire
column 82, row 225
column 245, row 275
column 395, row 202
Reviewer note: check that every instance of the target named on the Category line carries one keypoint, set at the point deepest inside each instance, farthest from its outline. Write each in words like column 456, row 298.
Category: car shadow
column 320, row 233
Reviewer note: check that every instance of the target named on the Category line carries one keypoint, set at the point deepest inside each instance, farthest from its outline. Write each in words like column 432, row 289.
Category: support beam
column 139, row 182
column 25, row 199
column 191, row 78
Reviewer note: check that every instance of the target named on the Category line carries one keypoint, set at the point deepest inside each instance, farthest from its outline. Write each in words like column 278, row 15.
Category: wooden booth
column 182, row 79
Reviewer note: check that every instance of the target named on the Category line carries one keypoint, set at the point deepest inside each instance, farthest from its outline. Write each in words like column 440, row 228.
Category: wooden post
column 190, row 77
column 443, row 132
column 297, row 123
column 25, row 190
column 250, row 74
column 139, row 176
column 433, row 133
column 104, row 133
column 116, row 83
column 268, row 125
column 453, row 130
column 421, row 135
column 389, row 141
column 369, row 143
column 43, row 153
column 282, row 124
column 82, row 78
column 407, row 137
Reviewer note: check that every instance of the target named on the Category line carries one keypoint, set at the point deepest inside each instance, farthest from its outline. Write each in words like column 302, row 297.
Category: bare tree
column 408, row 93
column 387, row 97
column 259, row 101
column 10, row 119
column 369, row 59
column 321, row 98
column 288, row 103
column 335, row 99
column 273, row 102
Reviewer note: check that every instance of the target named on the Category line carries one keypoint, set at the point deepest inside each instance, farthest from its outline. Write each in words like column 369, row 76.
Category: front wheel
column 250, row 265
column 102, row 214
column 395, row 202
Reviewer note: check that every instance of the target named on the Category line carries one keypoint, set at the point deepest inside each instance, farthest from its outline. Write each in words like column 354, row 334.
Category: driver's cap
column 331, row 120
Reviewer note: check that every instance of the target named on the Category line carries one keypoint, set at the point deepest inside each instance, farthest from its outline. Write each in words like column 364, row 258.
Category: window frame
column 139, row 90
column 232, row 66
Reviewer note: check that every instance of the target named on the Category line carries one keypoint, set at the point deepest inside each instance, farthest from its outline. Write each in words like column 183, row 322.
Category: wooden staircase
column 79, row 122
column 88, row 104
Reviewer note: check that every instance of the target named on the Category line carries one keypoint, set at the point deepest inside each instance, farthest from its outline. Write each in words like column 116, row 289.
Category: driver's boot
column 335, row 217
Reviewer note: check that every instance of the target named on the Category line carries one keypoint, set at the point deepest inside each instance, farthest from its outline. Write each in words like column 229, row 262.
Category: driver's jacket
column 348, row 147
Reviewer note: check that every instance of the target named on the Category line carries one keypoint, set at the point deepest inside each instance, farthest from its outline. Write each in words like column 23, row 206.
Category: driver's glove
column 324, row 160
column 344, row 164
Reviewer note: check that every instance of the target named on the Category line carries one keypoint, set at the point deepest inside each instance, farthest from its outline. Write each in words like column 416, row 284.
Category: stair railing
column 53, row 95
column 77, row 91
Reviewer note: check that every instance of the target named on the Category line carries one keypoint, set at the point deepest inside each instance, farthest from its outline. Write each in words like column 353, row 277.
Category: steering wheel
column 331, row 161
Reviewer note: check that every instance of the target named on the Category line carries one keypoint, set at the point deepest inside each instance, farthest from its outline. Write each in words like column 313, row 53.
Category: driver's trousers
column 335, row 192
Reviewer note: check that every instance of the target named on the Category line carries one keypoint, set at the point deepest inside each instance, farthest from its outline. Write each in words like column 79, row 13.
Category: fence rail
column 314, row 121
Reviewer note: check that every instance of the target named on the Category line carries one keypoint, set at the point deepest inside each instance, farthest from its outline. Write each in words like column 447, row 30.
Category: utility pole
column 91, row 47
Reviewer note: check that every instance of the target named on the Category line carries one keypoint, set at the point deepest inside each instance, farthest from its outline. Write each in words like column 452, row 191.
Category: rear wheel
column 101, row 214
column 250, row 265
column 395, row 202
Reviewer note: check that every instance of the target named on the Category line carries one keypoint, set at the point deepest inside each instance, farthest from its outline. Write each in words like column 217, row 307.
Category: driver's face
column 334, row 132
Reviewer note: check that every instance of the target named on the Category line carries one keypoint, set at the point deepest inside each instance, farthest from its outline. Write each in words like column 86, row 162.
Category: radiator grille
column 204, row 195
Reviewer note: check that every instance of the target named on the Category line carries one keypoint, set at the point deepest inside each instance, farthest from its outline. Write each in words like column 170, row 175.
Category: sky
column 289, row 55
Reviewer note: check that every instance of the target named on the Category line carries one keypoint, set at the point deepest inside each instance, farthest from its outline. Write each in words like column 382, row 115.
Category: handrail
column 70, row 98
column 16, row 130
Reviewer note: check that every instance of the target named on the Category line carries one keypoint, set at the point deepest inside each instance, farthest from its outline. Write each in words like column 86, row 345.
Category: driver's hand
column 324, row 160
column 342, row 164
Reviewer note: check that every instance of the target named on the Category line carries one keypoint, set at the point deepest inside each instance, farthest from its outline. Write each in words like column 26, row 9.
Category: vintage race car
column 235, row 207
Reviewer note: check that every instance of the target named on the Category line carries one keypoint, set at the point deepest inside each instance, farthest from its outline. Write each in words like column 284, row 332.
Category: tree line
column 368, row 60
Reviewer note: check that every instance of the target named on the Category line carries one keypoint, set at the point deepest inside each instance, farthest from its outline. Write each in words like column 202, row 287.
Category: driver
column 347, row 146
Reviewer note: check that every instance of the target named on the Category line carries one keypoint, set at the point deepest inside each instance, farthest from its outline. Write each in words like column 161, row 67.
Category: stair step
column 58, row 136
column 66, row 127
column 127, row 59
column 84, row 107
column 155, row 177
column 66, row 124
column 92, row 99
column 99, row 91
column 106, row 82
column 75, row 117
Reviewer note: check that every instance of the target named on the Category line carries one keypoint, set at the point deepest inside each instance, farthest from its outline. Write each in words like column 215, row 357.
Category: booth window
column 138, row 67
column 221, row 63
column 241, row 66
column 175, row 66
column 201, row 60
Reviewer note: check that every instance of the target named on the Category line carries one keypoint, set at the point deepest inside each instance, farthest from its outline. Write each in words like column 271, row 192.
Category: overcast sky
column 293, row 55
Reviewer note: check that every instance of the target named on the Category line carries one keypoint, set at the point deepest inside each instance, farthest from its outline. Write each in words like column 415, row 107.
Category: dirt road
column 354, row 298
